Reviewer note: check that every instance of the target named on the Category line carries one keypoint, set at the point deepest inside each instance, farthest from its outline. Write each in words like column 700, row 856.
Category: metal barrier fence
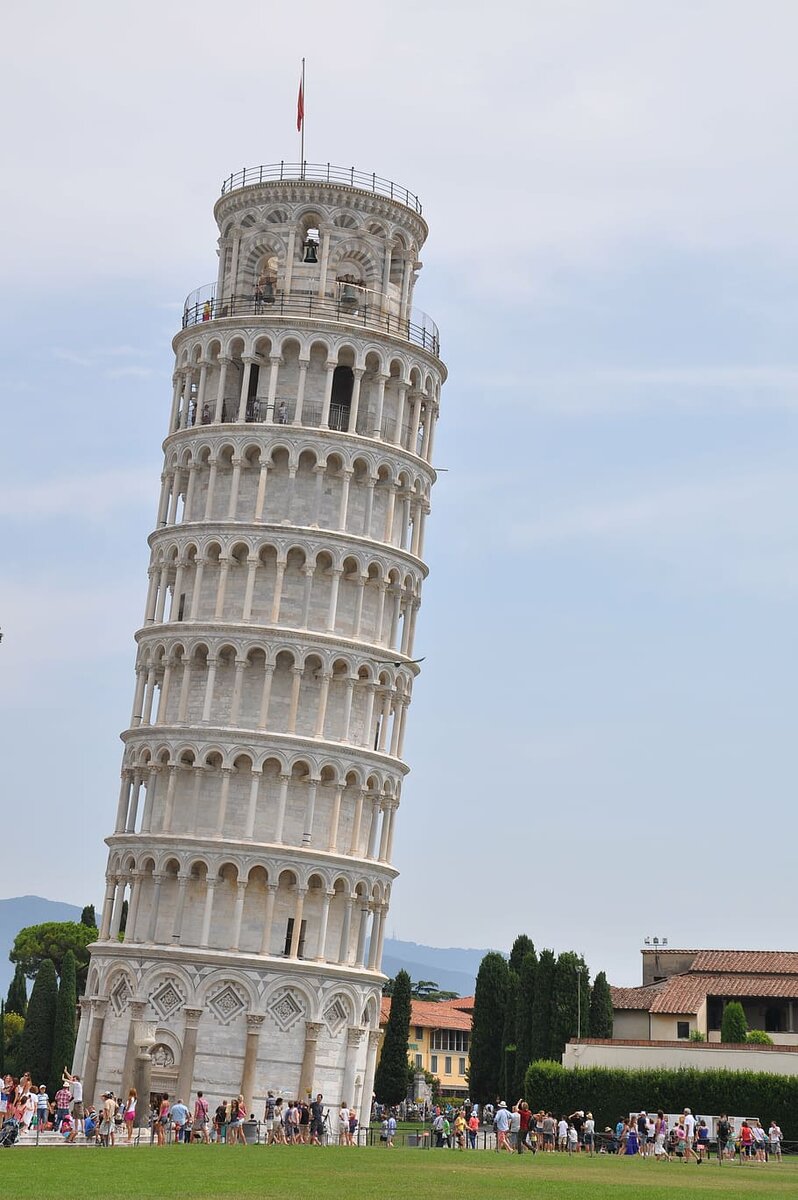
column 367, row 181
column 360, row 315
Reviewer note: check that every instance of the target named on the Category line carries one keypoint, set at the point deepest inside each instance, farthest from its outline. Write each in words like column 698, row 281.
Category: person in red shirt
column 746, row 1142
column 523, row 1132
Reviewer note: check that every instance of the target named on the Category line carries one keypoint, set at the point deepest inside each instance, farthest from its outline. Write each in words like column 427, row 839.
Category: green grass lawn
column 334, row 1173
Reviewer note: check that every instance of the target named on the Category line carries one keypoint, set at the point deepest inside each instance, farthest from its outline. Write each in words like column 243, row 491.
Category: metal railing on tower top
column 321, row 173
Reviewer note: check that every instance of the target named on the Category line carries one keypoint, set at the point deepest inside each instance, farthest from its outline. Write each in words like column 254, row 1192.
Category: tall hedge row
column 610, row 1094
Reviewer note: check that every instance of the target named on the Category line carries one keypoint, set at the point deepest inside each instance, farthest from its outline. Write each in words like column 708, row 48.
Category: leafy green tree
column 540, row 1023
column 88, row 917
column 600, row 1019
column 52, row 940
column 64, row 1028
column 570, row 1001
column 17, row 998
column 527, row 978
column 390, row 1081
column 521, row 947
column 427, row 989
column 36, row 1050
column 733, row 1025
column 487, row 1028
column 13, row 1024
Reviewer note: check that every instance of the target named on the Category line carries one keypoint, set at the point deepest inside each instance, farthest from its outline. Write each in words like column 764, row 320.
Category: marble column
column 254, row 1023
column 308, row 1069
column 354, row 1036
column 185, row 1079
column 98, row 1010
column 136, row 1010
column 367, row 1095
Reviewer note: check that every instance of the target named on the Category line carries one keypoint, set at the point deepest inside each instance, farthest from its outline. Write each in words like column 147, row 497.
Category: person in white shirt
column 562, row 1133
column 344, row 1138
column 775, row 1136
column 689, row 1127
column 76, row 1088
column 573, row 1139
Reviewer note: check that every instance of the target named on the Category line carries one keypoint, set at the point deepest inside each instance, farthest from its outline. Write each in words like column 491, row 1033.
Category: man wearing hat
column 502, row 1123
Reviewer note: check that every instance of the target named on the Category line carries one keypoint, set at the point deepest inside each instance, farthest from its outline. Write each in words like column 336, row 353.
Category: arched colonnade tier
column 213, row 902
column 309, row 486
column 286, row 583
column 269, row 796
column 312, row 239
column 306, row 381
column 269, row 687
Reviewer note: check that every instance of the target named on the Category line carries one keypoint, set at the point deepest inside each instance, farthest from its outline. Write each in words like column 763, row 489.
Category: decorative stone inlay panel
column 227, row 1003
column 286, row 1008
column 120, row 995
column 162, row 1056
column 335, row 1016
column 167, row 999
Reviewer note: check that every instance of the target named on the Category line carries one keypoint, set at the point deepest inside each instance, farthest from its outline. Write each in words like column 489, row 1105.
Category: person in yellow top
column 459, row 1130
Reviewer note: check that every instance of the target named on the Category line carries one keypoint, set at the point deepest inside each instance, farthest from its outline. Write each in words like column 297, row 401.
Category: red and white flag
column 300, row 106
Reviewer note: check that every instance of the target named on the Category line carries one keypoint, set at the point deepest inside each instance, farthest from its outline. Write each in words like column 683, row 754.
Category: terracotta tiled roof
column 752, row 962
column 463, row 1003
column 429, row 1015
column 685, row 993
column 635, row 997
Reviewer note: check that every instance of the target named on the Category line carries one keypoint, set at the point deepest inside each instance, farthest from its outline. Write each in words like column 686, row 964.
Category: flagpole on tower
column 300, row 120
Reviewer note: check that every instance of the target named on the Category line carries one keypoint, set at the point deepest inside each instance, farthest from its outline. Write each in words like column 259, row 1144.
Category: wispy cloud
column 89, row 497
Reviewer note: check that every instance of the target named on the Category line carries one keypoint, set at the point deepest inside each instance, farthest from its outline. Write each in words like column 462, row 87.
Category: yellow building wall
column 454, row 1082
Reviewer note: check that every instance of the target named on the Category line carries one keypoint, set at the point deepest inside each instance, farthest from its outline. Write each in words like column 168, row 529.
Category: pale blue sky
column 602, row 736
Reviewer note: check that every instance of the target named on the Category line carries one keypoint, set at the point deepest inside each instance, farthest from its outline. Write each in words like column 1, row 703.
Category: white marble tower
column 262, row 769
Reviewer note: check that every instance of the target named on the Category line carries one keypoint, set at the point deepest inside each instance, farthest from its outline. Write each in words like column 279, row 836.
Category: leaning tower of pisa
column 262, row 769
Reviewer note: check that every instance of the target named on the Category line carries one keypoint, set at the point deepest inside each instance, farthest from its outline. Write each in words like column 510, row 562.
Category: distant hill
column 453, row 969
column 15, row 914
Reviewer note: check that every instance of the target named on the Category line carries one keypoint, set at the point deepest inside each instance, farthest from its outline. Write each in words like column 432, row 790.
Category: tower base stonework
column 225, row 1029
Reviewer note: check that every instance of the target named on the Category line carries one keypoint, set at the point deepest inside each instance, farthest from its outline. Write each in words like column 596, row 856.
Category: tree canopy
column 52, row 940
column 490, row 1002
column 733, row 1025
column 600, row 1021
column 390, row 1080
column 64, row 1027
column 17, row 998
column 36, row 1049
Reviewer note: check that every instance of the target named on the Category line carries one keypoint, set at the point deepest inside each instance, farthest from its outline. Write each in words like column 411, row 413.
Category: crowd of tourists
column 26, row 1107
column 685, row 1138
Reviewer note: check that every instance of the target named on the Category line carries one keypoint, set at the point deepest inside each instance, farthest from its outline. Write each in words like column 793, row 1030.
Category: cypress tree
column 540, row 1024
column 507, row 1073
column 89, row 917
column 600, row 1022
column 64, row 1028
column 2, row 1038
column 521, row 947
column 36, row 1050
column 733, row 1025
column 487, row 1028
column 570, row 998
column 17, row 999
column 523, row 1019
column 390, row 1081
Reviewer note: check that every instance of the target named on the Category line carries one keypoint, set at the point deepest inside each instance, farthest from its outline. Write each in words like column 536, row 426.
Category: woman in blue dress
column 631, row 1139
